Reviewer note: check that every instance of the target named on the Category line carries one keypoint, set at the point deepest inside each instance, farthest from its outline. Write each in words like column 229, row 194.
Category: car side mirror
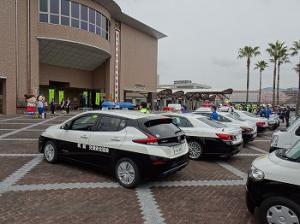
column 66, row 126
column 298, row 131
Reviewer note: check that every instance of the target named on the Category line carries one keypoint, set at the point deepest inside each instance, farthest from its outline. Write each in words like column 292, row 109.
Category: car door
column 75, row 138
column 105, row 142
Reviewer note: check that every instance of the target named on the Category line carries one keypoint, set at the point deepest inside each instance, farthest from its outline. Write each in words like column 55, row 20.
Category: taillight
column 150, row 140
column 260, row 123
column 225, row 137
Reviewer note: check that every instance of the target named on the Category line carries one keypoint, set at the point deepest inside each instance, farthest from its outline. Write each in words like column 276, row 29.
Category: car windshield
column 249, row 114
column 235, row 116
column 293, row 124
column 211, row 123
column 294, row 152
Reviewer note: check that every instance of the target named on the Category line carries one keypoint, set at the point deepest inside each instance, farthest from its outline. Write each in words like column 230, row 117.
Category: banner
column 51, row 95
column 61, row 96
column 98, row 99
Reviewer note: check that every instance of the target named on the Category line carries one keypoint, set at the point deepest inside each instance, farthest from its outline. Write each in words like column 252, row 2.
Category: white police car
column 273, row 187
column 206, row 137
column 131, row 144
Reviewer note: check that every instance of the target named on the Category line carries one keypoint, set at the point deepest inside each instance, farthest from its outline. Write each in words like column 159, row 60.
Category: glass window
column 54, row 6
column 75, row 10
column 181, row 122
column 294, row 152
column 103, row 22
column 65, row 21
column 84, row 13
column 210, row 123
column 65, row 7
column 98, row 31
column 54, row 19
column 85, row 123
column 91, row 16
column 44, row 18
column 43, row 5
column 75, row 23
column 84, row 25
column 111, row 124
column 98, row 19
column 92, row 28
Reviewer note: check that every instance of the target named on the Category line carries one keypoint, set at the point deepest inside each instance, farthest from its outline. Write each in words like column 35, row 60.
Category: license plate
column 178, row 149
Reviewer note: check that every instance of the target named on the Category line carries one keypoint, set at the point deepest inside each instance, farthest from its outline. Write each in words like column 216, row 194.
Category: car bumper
column 162, row 167
column 249, row 137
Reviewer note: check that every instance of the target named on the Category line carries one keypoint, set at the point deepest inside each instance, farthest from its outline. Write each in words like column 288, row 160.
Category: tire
column 127, row 173
column 50, row 152
column 268, row 209
column 195, row 150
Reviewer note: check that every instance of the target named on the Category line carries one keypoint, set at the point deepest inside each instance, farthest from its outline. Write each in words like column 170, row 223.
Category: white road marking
column 10, row 119
column 18, row 155
column 18, row 139
column 233, row 170
column 26, row 128
column 261, row 140
column 18, row 174
column 149, row 208
column 248, row 155
column 256, row 149
column 63, row 186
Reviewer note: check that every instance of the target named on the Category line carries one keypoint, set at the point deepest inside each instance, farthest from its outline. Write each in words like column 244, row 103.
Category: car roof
column 183, row 115
column 123, row 113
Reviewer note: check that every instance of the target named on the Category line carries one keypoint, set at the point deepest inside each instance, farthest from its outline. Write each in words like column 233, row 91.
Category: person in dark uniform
column 287, row 116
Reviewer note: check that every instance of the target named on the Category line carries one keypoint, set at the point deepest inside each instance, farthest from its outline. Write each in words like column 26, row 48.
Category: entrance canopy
column 71, row 54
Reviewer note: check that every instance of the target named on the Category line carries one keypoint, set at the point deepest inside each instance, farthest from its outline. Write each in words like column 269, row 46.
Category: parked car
column 273, row 187
column 286, row 137
column 131, row 144
column 273, row 122
column 206, row 137
column 261, row 123
column 249, row 129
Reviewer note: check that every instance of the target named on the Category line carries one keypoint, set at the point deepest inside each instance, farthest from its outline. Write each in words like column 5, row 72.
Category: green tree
column 261, row 66
column 295, row 50
column 283, row 58
column 273, row 50
column 248, row 52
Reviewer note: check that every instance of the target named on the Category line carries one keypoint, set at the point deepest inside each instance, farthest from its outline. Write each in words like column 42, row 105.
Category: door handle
column 117, row 139
column 84, row 136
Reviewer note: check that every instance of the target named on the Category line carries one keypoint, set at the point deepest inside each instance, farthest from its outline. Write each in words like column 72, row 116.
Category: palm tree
column 283, row 58
column 295, row 50
column 273, row 51
column 248, row 52
column 261, row 66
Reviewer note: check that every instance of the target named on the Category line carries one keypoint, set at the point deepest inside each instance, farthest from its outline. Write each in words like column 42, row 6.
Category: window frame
column 93, row 129
column 104, row 27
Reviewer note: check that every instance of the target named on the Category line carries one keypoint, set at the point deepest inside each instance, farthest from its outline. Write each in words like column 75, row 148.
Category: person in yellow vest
column 144, row 108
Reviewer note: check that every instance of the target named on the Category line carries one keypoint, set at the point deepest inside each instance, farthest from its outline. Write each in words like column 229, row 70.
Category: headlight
column 274, row 140
column 256, row 174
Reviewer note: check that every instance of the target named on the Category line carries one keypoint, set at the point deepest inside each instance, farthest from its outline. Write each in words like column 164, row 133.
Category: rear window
column 210, row 123
column 160, row 128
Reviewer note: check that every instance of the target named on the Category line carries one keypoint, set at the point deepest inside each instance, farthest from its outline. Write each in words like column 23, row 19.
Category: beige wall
column 7, row 53
column 138, row 59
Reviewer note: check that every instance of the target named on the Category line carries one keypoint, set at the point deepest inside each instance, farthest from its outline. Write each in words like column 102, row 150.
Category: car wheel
column 50, row 152
column 127, row 173
column 279, row 210
column 195, row 150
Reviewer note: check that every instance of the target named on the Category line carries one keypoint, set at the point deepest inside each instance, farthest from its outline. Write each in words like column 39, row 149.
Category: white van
column 286, row 138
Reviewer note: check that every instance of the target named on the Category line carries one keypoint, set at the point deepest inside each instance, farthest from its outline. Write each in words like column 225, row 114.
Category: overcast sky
column 204, row 37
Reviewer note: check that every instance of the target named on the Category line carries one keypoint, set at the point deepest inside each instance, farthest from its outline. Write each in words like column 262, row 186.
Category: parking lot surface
column 33, row 191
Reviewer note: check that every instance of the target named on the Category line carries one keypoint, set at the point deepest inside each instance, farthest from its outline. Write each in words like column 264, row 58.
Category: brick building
column 70, row 48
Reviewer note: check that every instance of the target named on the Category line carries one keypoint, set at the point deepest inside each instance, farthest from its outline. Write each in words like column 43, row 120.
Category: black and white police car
column 131, row 144
column 273, row 187
column 249, row 129
column 206, row 137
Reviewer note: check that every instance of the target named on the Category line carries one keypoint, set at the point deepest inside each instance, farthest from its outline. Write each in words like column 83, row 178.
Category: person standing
column 68, row 105
column 287, row 116
column 214, row 115
column 62, row 106
column 144, row 108
column 52, row 106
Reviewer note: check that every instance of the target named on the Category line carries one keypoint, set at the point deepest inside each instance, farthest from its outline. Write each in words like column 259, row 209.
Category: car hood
column 278, row 169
